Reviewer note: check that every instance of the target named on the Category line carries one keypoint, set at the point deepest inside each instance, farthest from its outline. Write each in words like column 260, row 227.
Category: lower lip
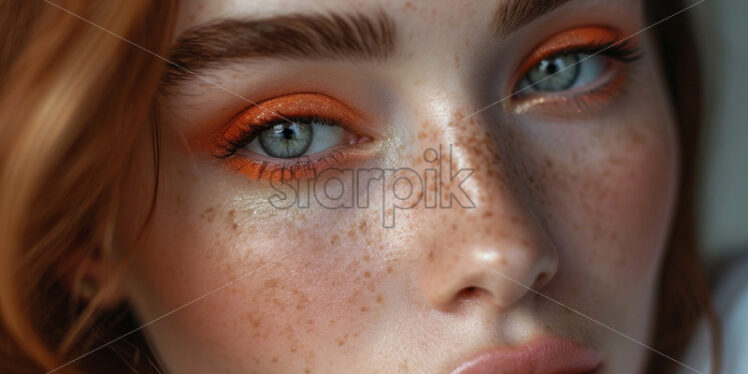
column 540, row 356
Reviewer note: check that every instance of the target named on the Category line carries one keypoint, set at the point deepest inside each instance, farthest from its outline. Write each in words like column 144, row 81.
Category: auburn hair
column 73, row 100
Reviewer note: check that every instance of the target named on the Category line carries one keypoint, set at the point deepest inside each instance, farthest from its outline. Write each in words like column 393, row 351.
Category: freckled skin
column 577, row 206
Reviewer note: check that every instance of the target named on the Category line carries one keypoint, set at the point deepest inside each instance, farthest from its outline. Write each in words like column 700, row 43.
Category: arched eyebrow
column 513, row 14
column 293, row 36
column 355, row 36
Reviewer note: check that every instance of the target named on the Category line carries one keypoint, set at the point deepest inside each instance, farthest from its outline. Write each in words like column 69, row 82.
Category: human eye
column 298, row 133
column 296, row 137
column 576, row 68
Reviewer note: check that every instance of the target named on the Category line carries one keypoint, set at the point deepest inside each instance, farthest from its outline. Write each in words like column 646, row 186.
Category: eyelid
column 282, row 108
column 565, row 41
column 227, row 143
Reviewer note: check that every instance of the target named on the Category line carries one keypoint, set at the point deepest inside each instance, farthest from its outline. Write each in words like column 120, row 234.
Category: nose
column 498, row 270
column 497, row 252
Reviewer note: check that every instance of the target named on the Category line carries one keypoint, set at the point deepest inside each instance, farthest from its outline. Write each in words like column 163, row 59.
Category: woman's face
column 411, row 217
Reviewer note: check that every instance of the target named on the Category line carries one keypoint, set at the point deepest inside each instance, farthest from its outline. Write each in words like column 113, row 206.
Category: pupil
column 555, row 74
column 288, row 133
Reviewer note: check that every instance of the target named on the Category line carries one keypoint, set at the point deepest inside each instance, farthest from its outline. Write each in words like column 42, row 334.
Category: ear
column 94, row 279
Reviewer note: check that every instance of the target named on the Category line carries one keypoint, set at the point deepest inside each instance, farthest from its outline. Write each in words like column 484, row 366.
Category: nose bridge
column 499, row 245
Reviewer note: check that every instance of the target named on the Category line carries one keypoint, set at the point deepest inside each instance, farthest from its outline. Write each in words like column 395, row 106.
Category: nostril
column 472, row 293
column 540, row 281
column 467, row 293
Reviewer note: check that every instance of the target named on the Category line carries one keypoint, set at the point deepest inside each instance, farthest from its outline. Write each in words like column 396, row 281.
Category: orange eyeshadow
column 280, row 109
column 564, row 41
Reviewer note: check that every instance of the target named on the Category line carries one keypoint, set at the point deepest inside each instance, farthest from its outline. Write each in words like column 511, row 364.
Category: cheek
column 641, row 180
column 612, row 202
column 288, row 283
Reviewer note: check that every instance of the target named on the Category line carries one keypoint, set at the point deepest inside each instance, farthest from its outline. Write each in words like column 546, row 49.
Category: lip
column 544, row 355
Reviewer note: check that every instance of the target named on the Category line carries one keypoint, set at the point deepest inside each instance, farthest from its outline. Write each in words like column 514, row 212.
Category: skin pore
column 573, row 193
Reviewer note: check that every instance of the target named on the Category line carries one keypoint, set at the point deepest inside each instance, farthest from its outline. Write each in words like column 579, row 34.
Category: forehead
column 453, row 15
column 238, row 8
column 193, row 12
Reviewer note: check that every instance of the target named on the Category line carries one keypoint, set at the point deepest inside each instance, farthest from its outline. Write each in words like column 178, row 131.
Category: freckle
column 367, row 257
column 389, row 269
column 271, row 283
column 340, row 342
column 364, row 309
column 379, row 299
column 209, row 214
column 636, row 136
column 275, row 359
column 334, row 239
column 404, row 366
column 234, row 226
column 548, row 162
column 307, row 371
column 367, row 274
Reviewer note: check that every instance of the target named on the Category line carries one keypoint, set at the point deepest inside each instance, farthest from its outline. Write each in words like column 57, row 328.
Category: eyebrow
column 293, row 36
column 354, row 36
column 513, row 14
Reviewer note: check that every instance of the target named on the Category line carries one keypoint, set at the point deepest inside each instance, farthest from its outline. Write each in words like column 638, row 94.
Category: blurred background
column 722, row 34
column 722, row 31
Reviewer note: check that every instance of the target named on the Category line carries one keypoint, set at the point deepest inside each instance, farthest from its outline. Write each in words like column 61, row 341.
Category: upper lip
column 542, row 355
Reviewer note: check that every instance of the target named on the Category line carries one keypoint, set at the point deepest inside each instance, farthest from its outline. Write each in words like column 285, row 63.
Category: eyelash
column 625, row 52
column 294, row 169
column 232, row 143
column 250, row 133
column 276, row 170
